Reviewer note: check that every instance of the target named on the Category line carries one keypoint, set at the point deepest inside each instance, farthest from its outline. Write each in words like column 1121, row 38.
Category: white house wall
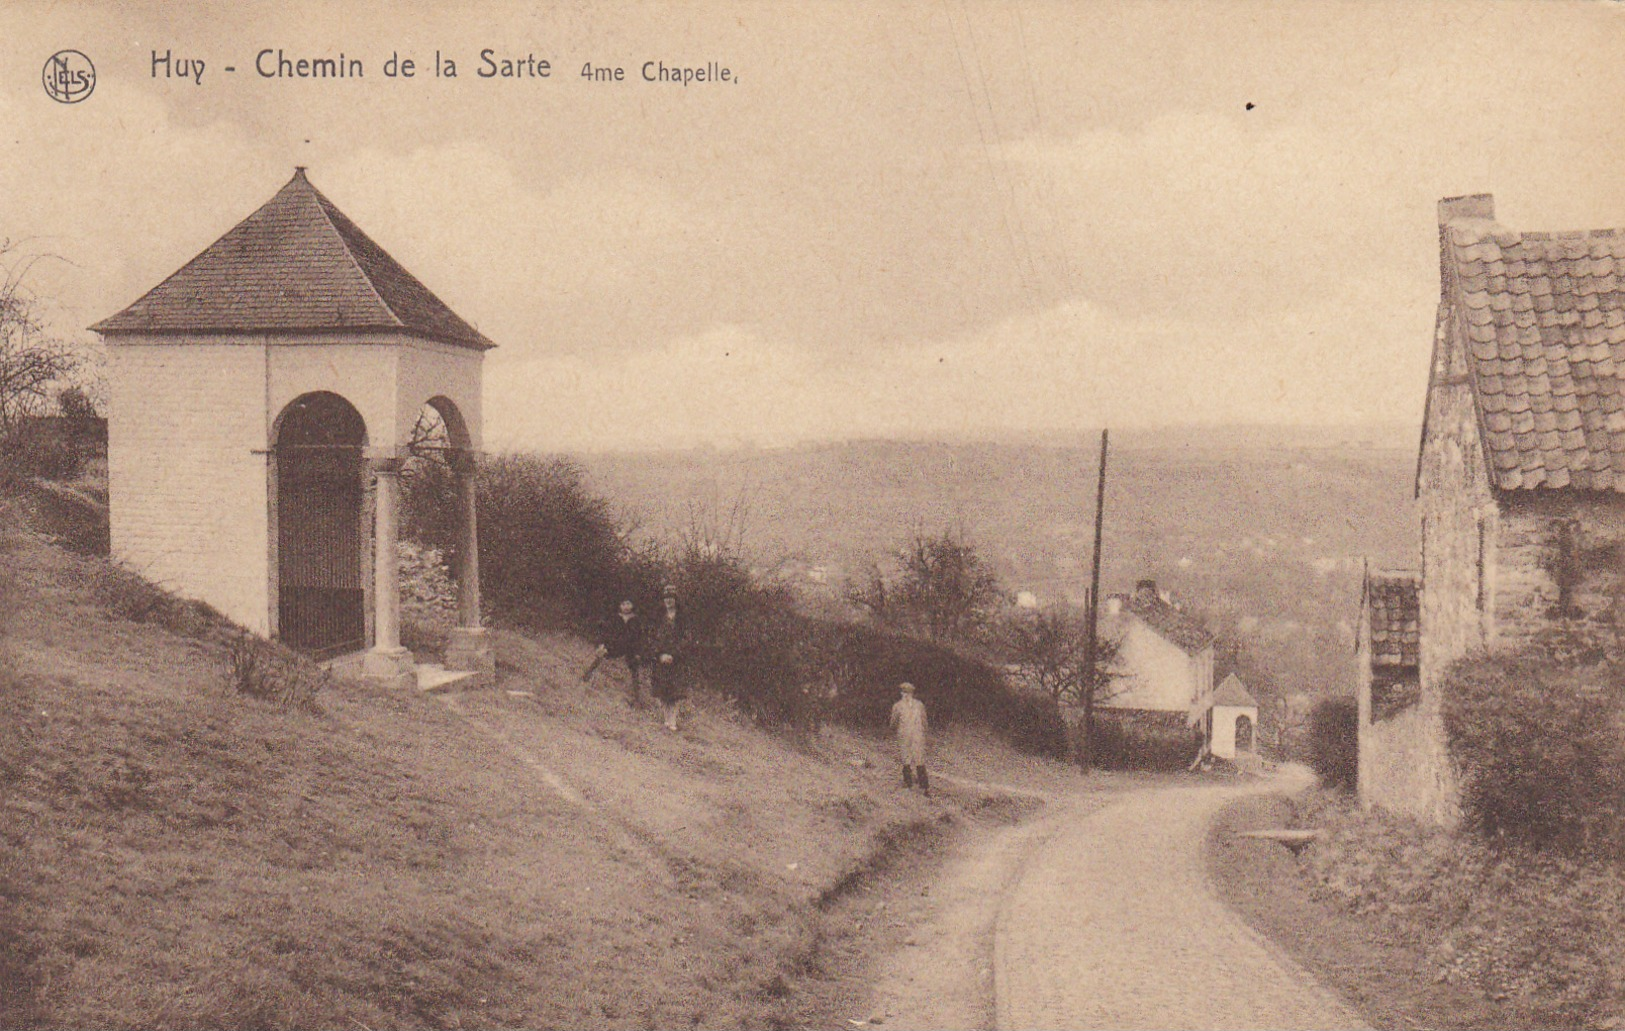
column 1160, row 675
column 187, row 469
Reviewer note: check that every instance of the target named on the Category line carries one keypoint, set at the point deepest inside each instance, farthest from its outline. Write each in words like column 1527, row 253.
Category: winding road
column 1101, row 917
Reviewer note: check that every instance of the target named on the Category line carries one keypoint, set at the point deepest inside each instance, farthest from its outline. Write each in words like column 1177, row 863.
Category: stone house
column 260, row 402
column 1164, row 660
column 1520, row 479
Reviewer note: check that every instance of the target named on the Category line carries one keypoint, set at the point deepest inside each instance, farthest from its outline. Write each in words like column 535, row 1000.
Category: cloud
column 1072, row 367
column 99, row 186
column 536, row 266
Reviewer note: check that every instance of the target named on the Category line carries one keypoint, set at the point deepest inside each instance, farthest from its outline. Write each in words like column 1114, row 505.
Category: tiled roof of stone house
column 1393, row 608
column 1541, row 318
column 296, row 265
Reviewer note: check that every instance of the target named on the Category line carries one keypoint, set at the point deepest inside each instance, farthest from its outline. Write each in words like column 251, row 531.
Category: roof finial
column 298, row 171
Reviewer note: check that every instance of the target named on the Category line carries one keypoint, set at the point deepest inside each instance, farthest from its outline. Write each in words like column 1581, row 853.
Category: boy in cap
column 908, row 719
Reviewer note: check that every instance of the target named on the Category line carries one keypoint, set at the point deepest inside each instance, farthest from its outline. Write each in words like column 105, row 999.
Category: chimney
column 1145, row 592
column 1474, row 205
column 1479, row 207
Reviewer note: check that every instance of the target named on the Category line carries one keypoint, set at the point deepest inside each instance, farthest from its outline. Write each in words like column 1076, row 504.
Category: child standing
column 908, row 719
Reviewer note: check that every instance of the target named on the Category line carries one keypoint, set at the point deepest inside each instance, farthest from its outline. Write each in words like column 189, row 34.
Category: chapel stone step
column 435, row 678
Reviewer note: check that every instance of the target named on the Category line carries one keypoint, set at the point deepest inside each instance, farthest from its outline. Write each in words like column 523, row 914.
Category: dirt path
column 943, row 976
column 1097, row 914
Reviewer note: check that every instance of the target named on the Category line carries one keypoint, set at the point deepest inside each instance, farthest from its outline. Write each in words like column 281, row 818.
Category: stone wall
column 1497, row 571
column 1409, row 763
column 1561, row 565
column 1459, row 531
column 1402, row 764
column 1404, row 767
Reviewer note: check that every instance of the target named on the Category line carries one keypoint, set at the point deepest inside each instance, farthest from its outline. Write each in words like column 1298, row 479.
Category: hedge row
column 1140, row 740
column 553, row 555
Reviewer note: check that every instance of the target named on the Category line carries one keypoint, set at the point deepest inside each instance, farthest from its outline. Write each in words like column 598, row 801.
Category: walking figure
column 908, row 719
column 665, row 673
column 623, row 639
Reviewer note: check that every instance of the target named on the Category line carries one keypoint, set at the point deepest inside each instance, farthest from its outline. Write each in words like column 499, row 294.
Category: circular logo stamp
column 69, row 76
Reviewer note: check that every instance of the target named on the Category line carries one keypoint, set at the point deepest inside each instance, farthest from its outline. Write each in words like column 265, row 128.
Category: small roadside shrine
column 261, row 400
column 1235, row 719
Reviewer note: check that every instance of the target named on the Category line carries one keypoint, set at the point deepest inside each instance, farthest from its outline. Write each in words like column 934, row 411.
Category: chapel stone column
column 469, row 645
column 387, row 663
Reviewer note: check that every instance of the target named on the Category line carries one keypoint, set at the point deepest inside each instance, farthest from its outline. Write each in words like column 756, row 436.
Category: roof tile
column 1392, row 604
column 1544, row 318
column 1183, row 630
column 296, row 265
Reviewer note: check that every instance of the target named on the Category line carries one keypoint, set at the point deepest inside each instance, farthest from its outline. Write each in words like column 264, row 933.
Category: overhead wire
column 982, row 132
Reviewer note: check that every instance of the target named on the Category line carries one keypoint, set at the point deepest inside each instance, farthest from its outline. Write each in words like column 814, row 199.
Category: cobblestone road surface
column 1113, row 925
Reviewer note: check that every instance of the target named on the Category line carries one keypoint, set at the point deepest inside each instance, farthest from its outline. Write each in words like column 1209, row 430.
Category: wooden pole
column 1087, row 758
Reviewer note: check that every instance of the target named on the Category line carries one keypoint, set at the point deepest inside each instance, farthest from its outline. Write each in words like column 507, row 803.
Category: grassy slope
column 174, row 854
column 1384, row 974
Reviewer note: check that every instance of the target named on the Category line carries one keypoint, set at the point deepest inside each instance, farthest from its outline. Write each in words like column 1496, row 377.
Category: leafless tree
column 33, row 365
column 943, row 591
column 1051, row 649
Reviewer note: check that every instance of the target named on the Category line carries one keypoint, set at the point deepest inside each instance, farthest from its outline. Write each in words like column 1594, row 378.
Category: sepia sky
column 913, row 219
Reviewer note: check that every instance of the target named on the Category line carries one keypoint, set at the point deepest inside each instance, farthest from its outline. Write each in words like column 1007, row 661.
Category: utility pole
column 1088, row 757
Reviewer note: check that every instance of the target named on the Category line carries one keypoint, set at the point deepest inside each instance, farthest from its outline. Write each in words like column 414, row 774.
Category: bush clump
column 1134, row 740
column 1537, row 737
column 265, row 670
column 792, row 670
column 550, row 551
column 1334, row 742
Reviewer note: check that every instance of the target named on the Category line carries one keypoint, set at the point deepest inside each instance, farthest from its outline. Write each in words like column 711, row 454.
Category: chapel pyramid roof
column 297, row 265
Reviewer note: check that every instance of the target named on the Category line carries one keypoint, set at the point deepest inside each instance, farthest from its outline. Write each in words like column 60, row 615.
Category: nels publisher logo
column 69, row 77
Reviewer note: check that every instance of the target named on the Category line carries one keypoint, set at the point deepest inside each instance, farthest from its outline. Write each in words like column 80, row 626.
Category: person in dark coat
column 623, row 639
column 666, row 655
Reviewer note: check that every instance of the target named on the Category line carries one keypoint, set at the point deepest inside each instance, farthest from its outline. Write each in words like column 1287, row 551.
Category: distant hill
column 1262, row 529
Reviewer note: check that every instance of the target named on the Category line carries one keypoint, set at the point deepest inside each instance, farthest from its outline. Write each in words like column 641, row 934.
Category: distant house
column 1234, row 724
column 1164, row 659
column 1520, row 479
